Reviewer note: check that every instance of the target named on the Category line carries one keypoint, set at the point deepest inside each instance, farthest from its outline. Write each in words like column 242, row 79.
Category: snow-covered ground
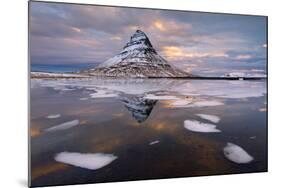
column 245, row 75
column 56, row 75
column 176, row 90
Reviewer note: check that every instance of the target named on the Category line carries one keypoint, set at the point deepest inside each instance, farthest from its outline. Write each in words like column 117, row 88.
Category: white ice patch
column 103, row 94
column 83, row 99
column 212, row 118
column 236, row 154
column 197, row 126
column 154, row 142
column 263, row 109
column 53, row 116
column 92, row 161
column 189, row 103
column 181, row 103
column 55, row 75
column 223, row 89
column 160, row 97
column 64, row 126
column 206, row 103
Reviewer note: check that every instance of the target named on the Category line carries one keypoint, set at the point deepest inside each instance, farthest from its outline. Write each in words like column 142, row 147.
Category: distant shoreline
column 213, row 78
column 48, row 75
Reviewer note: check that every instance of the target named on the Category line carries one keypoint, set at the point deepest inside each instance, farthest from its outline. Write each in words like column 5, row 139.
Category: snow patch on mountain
column 137, row 59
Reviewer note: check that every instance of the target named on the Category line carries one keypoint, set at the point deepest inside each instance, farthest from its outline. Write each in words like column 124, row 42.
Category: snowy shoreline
column 49, row 75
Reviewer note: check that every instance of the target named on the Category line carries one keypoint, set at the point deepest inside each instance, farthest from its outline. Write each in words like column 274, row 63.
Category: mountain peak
column 139, row 38
column 137, row 59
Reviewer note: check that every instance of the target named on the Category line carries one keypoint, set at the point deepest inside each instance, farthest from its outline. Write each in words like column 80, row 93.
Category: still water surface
column 101, row 130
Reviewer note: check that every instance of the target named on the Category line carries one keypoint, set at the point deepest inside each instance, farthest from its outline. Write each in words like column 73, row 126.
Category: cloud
column 68, row 33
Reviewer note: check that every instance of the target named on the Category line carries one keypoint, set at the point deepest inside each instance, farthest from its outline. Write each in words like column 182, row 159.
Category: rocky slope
column 137, row 59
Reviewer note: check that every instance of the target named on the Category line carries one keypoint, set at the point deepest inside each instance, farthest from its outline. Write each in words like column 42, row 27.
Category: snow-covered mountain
column 139, row 107
column 137, row 59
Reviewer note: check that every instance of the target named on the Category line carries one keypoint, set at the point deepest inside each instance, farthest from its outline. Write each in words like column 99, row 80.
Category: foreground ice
column 53, row 116
column 92, row 161
column 83, row 99
column 154, row 142
column 263, row 109
column 198, row 88
column 160, row 97
column 236, row 154
column 55, row 75
column 64, row 126
column 103, row 94
column 186, row 103
column 212, row 118
column 197, row 126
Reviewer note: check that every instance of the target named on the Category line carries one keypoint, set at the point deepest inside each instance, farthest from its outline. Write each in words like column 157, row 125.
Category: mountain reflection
column 139, row 107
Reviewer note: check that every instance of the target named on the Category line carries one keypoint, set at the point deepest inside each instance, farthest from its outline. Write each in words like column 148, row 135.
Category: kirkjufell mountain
column 137, row 59
column 139, row 107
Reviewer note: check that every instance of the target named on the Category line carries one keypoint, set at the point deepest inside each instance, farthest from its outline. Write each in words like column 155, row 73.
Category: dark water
column 61, row 68
column 122, row 117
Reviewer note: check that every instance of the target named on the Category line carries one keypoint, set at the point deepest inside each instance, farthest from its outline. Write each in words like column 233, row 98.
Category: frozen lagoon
column 120, row 117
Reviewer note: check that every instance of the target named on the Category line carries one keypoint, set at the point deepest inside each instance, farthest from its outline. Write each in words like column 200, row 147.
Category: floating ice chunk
column 154, row 142
column 83, row 99
column 212, row 118
column 160, row 97
column 253, row 137
column 236, row 154
column 185, row 103
column 103, row 94
column 263, row 109
column 53, row 116
column 181, row 103
column 206, row 103
column 197, row 126
column 64, row 126
column 92, row 161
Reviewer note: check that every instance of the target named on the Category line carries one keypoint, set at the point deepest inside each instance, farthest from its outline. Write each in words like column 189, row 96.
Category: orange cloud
column 170, row 27
column 243, row 57
column 159, row 25
column 116, row 38
column 76, row 29
column 172, row 51
column 176, row 52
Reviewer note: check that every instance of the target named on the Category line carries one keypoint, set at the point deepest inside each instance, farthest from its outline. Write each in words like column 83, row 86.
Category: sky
column 204, row 43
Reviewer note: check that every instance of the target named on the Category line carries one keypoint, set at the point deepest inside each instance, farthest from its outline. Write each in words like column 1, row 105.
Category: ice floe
column 53, row 116
column 160, row 97
column 185, row 103
column 263, row 109
column 92, row 161
column 237, row 154
column 181, row 103
column 206, row 103
column 83, row 99
column 154, row 142
column 197, row 126
column 212, row 118
column 55, row 75
column 64, row 126
column 220, row 89
column 103, row 94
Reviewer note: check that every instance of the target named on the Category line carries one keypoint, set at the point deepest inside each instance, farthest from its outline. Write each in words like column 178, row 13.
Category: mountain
column 139, row 107
column 137, row 59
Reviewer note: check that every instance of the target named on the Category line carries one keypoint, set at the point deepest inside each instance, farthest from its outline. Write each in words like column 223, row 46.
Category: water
column 61, row 68
column 141, row 123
